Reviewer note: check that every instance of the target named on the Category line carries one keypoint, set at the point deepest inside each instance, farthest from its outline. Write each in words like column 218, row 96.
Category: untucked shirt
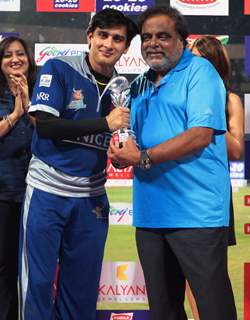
column 192, row 191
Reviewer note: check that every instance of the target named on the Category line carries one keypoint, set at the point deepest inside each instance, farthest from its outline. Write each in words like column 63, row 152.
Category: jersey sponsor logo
column 97, row 141
column 45, row 80
column 42, row 96
column 77, row 100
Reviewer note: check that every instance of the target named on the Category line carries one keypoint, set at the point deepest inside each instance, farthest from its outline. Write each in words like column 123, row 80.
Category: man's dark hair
column 108, row 18
column 180, row 23
column 31, row 77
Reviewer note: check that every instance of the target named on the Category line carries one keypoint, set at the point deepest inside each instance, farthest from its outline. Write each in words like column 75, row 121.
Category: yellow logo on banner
column 120, row 272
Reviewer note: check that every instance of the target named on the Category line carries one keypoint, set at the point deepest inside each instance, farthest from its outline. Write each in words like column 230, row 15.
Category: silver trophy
column 120, row 97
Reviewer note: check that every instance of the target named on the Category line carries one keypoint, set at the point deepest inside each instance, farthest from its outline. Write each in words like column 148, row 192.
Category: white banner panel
column 129, row 63
column 9, row 5
column 46, row 51
column 202, row 7
column 132, row 62
column 120, row 213
column 122, row 281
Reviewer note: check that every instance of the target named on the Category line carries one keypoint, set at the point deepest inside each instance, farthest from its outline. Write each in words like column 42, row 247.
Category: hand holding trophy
column 120, row 97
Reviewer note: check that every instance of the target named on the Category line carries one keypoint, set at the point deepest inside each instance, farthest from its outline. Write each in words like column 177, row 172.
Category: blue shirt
column 192, row 191
column 14, row 154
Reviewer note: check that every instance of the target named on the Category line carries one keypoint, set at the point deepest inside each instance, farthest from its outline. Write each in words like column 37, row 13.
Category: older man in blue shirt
column 181, row 185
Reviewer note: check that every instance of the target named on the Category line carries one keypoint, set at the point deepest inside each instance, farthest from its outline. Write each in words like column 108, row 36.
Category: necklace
column 101, row 83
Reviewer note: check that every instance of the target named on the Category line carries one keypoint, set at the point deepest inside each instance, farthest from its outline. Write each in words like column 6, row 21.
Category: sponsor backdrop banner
column 122, row 282
column 126, row 6
column 247, row 291
column 120, row 213
column 123, row 315
column 9, row 5
column 247, row 112
column 129, row 63
column 237, row 170
column 247, row 159
column 8, row 34
column 65, row 5
column 120, row 174
column 246, row 7
column 202, row 7
column 247, row 54
column 247, row 225
column 46, row 51
column 132, row 62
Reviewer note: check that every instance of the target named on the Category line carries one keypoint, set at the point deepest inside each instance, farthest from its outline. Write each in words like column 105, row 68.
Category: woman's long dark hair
column 212, row 49
column 31, row 76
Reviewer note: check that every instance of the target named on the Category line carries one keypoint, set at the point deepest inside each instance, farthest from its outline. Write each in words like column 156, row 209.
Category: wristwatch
column 145, row 162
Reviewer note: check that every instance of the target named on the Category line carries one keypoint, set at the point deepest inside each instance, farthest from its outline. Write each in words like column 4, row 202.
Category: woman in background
column 211, row 48
column 17, row 76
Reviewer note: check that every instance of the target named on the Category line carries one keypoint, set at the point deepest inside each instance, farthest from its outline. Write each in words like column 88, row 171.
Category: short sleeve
column 48, row 94
column 206, row 98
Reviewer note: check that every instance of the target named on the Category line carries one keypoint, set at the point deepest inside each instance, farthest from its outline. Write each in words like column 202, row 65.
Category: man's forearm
column 185, row 144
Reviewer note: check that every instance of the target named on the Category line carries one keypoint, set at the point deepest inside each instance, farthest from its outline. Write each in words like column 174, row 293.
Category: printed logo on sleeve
column 42, row 96
column 45, row 80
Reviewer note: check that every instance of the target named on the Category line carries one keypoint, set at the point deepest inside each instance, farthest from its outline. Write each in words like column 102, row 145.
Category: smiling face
column 161, row 45
column 106, row 47
column 15, row 60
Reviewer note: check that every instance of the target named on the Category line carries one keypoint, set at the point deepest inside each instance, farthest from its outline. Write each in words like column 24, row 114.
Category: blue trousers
column 65, row 230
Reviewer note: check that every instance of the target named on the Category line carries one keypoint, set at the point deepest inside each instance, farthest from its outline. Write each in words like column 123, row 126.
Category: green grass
column 120, row 246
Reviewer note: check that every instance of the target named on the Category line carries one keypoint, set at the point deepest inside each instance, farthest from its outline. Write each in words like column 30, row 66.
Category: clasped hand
column 127, row 155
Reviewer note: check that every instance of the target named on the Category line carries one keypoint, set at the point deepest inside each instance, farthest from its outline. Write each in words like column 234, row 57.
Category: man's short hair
column 108, row 18
column 180, row 23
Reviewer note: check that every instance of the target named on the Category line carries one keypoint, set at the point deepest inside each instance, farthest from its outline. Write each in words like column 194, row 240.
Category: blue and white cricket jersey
column 66, row 89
